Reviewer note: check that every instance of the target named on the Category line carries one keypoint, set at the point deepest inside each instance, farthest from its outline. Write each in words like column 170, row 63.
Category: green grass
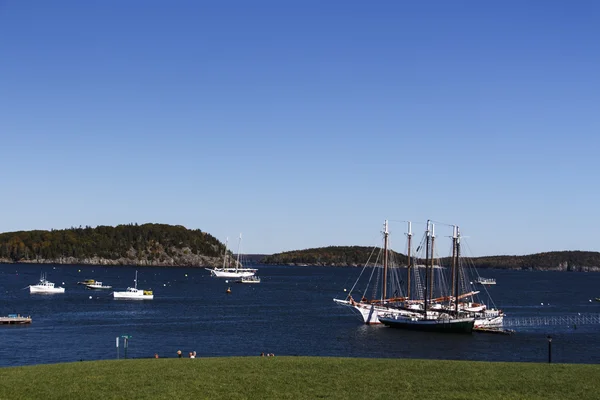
column 299, row 378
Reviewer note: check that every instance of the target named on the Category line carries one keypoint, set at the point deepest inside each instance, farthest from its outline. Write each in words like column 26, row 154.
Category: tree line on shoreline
column 131, row 244
column 358, row 256
column 175, row 245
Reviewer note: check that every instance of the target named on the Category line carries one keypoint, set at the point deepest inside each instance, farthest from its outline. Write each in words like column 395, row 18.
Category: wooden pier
column 15, row 319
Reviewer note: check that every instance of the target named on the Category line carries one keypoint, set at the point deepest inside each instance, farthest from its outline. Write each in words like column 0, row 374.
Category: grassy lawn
column 299, row 378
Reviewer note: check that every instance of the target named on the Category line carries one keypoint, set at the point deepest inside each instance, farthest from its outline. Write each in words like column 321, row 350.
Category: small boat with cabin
column 97, row 285
column 486, row 281
column 133, row 293
column 45, row 287
column 249, row 279
column 15, row 319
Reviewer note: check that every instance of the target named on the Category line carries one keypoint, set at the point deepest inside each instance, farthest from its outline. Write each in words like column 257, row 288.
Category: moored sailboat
column 371, row 309
column 445, row 288
column 441, row 319
column 238, row 271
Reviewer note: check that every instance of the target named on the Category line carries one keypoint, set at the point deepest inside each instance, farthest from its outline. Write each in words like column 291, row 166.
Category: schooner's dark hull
column 461, row 325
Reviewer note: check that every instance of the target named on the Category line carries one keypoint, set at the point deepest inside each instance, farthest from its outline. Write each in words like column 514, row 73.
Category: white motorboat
column 249, row 279
column 97, row 285
column 133, row 293
column 44, row 286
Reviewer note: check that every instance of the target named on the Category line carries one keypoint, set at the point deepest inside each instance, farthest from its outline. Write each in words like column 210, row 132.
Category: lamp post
column 549, row 349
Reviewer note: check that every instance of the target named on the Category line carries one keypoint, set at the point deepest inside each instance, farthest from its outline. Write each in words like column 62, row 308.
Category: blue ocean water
column 290, row 313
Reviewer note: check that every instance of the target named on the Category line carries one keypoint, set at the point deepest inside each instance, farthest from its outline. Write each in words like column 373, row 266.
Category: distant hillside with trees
column 132, row 244
column 327, row 256
column 358, row 256
column 174, row 245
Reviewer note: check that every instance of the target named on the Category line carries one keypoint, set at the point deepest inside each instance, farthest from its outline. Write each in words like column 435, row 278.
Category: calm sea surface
column 290, row 313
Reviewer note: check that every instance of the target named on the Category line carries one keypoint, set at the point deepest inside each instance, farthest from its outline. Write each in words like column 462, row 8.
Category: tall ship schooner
column 422, row 290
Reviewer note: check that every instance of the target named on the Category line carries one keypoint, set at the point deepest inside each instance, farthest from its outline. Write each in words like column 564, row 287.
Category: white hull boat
column 43, row 286
column 408, row 308
column 249, row 279
column 133, row 293
column 232, row 272
column 98, row 286
column 486, row 281
column 370, row 313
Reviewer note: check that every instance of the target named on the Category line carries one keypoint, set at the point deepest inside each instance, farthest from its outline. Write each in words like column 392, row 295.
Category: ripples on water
column 290, row 313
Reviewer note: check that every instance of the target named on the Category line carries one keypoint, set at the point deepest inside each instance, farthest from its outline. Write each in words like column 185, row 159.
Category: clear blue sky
column 305, row 123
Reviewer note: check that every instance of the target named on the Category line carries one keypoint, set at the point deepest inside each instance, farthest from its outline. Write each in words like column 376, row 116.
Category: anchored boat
column 226, row 271
column 46, row 287
column 249, row 279
column 443, row 294
column 97, row 285
column 486, row 281
column 15, row 319
column 133, row 293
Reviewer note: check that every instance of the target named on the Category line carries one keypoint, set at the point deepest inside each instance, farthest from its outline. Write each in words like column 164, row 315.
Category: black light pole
column 549, row 349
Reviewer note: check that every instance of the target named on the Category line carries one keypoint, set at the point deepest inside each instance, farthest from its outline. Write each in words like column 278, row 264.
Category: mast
column 135, row 280
column 456, row 270
column 225, row 255
column 425, row 294
column 408, row 273
column 237, row 261
column 385, row 258
column 432, row 262
column 454, row 237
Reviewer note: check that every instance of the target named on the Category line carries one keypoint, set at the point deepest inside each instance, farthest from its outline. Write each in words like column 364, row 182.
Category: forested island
column 175, row 245
column 132, row 244
column 358, row 256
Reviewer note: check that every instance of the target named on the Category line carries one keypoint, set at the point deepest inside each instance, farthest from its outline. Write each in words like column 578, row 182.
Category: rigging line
column 363, row 270
column 472, row 263
column 397, row 220
column 442, row 223
column 372, row 273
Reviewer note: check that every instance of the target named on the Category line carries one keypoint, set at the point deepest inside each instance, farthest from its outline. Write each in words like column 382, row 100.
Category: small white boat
column 486, row 281
column 97, row 285
column 249, row 279
column 133, row 293
column 43, row 286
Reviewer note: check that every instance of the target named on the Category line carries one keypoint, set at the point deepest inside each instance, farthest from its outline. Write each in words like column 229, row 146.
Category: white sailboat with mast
column 371, row 309
column 238, row 271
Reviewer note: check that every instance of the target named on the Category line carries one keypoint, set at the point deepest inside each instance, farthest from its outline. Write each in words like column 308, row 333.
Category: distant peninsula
column 582, row 261
column 132, row 244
